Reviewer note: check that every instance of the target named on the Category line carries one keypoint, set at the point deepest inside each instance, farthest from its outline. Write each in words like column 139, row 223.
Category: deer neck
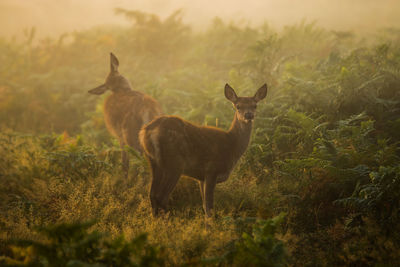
column 240, row 133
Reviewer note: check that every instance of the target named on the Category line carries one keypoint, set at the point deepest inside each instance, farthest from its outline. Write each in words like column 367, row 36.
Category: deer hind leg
column 208, row 201
column 201, row 184
column 168, row 185
column 130, row 132
column 125, row 159
column 164, row 185
column 133, row 140
column 157, row 177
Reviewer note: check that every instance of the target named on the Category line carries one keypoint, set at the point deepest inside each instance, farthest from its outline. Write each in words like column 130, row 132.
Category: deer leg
column 208, row 202
column 201, row 184
column 125, row 159
column 167, row 186
column 157, row 174
column 133, row 142
column 132, row 126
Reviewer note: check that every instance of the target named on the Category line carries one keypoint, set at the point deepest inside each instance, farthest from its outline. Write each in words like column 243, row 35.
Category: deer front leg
column 208, row 201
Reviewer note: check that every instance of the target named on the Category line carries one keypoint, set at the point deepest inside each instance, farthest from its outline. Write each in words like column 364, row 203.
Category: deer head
column 245, row 106
column 114, row 81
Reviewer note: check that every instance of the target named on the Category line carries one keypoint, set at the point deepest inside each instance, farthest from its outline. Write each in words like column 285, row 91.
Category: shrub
column 74, row 245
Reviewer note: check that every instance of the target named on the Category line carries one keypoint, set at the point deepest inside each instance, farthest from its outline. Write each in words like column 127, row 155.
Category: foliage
column 74, row 245
column 258, row 248
column 261, row 248
column 379, row 198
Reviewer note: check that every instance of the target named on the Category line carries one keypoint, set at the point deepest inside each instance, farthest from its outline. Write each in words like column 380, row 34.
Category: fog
column 55, row 17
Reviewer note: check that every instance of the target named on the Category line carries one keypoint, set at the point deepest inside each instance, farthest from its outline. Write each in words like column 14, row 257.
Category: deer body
column 175, row 146
column 125, row 110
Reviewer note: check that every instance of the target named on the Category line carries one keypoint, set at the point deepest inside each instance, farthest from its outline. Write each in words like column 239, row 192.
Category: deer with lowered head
column 174, row 146
column 125, row 110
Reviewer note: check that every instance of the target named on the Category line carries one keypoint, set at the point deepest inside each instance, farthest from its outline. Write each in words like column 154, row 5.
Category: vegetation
column 72, row 245
column 324, row 151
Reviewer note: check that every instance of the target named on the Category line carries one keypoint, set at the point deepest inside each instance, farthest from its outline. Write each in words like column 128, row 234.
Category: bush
column 258, row 248
column 74, row 245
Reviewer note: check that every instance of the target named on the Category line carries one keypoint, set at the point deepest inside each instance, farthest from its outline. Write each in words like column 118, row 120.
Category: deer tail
column 149, row 140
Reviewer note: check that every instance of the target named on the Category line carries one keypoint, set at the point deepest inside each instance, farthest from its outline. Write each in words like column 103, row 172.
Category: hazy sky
column 58, row 16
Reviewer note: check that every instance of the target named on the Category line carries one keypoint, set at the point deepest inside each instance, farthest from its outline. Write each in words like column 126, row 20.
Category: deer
column 125, row 110
column 174, row 147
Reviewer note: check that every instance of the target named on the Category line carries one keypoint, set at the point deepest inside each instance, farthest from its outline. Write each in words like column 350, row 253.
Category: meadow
column 319, row 184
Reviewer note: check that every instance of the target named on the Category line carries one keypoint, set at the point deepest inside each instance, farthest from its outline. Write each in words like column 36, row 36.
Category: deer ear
column 230, row 93
column 114, row 63
column 261, row 93
column 98, row 90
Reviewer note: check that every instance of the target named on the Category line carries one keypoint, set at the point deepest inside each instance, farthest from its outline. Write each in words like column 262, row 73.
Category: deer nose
column 249, row 116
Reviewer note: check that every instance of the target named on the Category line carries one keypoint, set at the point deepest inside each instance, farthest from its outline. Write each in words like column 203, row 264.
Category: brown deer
column 125, row 110
column 174, row 146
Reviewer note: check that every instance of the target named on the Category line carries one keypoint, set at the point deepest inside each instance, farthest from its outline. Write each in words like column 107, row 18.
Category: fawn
column 125, row 110
column 174, row 146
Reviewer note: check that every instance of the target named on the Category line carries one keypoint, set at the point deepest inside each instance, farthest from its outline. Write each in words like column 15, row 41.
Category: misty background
column 56, row 17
